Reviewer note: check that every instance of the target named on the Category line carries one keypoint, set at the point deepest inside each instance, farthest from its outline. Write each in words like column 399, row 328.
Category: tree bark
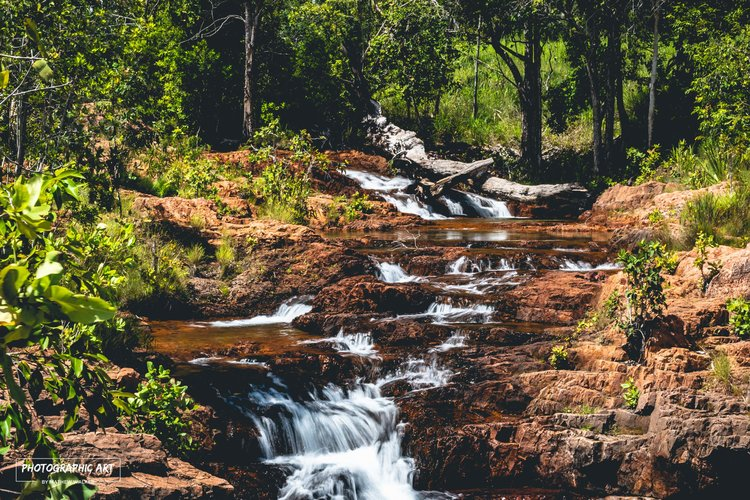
column 251, row 19
column 531, row 100
column 18, row 120
column 654, row 69
column 528, row 84
column 596, row 113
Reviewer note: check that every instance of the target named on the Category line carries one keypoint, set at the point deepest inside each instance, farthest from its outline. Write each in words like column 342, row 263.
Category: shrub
column 558, row 358
column 160, row 407
column 160, row 276
column 702, row 243
column 180, row 167
column 630, row 393
column 648, row 163
column 724, row 217
column 358, row 205
column 739, row 317
column 644, row 296
column 283, row 193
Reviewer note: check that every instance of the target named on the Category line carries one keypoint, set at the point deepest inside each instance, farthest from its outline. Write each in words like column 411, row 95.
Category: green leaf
column 77, row 365
column 4, row 78
column 48, row 269
column 80, row 308
column 10, row 381
column 12, row 278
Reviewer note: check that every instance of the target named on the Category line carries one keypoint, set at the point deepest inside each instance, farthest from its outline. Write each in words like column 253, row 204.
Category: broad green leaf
column 4, row 78
column 80, row 308
column 48, row 269
column 12, row 278
column 77, row 365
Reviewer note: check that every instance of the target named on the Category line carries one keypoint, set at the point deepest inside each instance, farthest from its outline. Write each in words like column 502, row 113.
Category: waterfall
column 457, row 202
column 570, row 265
column 463, row 265
column 286, row 313
column 455, row 341
column 360, row 344
column 487, row 207
column 393, row 273
column 392, row 191
column 342, row 444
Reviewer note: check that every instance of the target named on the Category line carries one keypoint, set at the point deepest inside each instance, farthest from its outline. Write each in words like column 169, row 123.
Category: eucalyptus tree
column 516, row 30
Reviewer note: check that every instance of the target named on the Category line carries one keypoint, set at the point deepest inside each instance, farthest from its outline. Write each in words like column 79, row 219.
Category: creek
column 338, row 433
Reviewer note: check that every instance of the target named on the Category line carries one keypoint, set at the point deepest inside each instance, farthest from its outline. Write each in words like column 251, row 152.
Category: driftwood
column 438, row 175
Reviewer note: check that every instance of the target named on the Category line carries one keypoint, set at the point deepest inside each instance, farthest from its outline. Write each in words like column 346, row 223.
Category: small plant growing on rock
column 739, row 317
column 160, row 407
column 358, row 205
column 194, row 256
column 197, row 222
column 225, row 256
column 722, row 375
column 644, row 297
column 630, row 393
column 558, row 358
column 708, row 268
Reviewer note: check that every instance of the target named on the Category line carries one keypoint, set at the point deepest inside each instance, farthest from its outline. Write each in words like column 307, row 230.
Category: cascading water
column 392, row 191
column 342, row 444
column 455, row 341
column 458, row 203
column 393, row 273
column 286, row 313
column 360, row 344
column 487, row 207
column 570, row 265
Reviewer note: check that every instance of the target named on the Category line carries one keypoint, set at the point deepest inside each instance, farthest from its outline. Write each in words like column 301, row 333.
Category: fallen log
column 438, row 175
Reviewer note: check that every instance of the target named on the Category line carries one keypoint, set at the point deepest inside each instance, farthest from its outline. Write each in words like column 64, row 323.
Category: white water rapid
column 286, row 313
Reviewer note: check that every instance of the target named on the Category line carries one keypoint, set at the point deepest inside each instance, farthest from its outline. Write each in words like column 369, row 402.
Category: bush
column 630, row 393
column 352, row 209
column 702, row 244
column 558, row 358
column 160, row 407
column 282, row 193
column 739, row 317
column 644, row 296
column 179, row 167
column 159, row 280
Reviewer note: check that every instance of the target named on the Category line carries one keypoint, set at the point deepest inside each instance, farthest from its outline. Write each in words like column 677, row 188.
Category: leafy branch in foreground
column 49, row 310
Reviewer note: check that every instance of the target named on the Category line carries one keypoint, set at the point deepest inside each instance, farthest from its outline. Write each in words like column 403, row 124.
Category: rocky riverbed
column 405, row 355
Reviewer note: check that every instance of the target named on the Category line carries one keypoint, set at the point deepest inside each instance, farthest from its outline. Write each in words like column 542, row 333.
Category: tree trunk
column 596, row 112
column 613, row 42
column 531, row 121
column 476, row 69
column 251, row 19
column 18, row 120
column 652, row 83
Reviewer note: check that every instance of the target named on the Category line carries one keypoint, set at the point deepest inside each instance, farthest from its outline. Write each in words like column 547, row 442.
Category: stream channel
column 338, row 433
